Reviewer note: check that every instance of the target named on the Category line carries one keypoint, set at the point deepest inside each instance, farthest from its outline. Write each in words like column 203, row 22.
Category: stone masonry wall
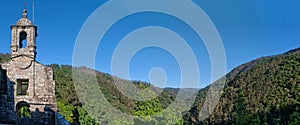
column 41, row 90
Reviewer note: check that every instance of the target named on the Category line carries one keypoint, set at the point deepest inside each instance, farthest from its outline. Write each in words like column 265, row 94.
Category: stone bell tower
column 30, row 82
column 23, row 38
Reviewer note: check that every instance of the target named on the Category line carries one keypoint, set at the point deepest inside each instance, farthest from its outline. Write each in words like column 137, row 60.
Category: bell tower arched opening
column 23, row 39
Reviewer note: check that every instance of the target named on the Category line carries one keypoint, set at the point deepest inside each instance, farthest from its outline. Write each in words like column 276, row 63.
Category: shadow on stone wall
column 7, row 114
column 38, row 118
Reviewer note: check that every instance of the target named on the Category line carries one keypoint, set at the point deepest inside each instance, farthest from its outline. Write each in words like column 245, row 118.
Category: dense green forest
column 263, row 91
column 71, row 108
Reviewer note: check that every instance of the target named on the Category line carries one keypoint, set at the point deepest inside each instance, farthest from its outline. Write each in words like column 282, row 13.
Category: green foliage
column 169, row 117
column 148, row 107
column 295, row 117
column 151, row 111
column 66, row 110
column 241, row 113
column 4, row 58
column 24, row 111
column 122, row 121
column 84, row 118
column 180, row 122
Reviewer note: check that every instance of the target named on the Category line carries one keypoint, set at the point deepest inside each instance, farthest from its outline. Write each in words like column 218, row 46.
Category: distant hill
column 263, row 91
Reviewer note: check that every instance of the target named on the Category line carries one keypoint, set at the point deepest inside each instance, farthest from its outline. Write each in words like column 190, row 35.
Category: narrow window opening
column 23, row 40
column 23, row 85
column 3, row 82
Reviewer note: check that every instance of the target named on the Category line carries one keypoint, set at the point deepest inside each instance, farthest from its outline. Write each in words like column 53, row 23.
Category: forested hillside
column 263, row 91
column 70, row 107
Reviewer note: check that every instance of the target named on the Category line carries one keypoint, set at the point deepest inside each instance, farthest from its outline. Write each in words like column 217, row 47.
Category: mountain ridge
column 246, row 66
column 257, row 92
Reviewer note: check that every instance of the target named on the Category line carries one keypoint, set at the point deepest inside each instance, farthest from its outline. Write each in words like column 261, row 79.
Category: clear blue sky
column 249, row 29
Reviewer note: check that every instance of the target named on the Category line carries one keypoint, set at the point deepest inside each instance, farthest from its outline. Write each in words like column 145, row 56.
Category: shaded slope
column 263, row 91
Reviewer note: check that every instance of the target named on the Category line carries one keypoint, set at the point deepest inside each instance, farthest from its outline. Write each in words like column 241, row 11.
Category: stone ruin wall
column 6, row 99
column 41, row 90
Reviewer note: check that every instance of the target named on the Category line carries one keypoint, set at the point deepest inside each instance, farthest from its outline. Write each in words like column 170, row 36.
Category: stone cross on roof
column 24, row 13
